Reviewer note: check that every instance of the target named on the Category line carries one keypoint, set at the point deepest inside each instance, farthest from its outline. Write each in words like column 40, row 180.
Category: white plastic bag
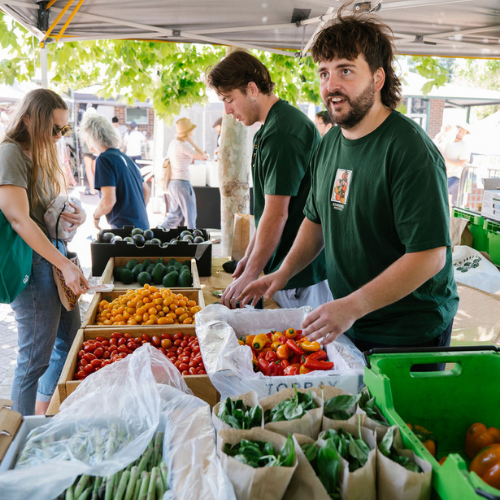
column 229, row 364
column 473, row 269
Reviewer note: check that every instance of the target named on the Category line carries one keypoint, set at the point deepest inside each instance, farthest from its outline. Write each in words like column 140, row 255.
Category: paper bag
column 264, row 483
column 460, row 232
column 309, row 425
column 326, row 392
column 244, row 227
column 249, row 399
column 396, row 482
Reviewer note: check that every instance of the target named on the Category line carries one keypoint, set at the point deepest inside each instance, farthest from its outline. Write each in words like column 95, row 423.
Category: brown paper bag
column 308, row 425
column 249, row 399
column 396, row 482
column 244, row 227
column 326, row 392
column 460, row 232
column 305, row 483
column 360, row 484
column 265, row 483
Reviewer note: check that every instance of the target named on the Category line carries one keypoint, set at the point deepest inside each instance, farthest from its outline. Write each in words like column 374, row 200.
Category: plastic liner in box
column 133, row 398
column 229, row 364
column 102, row 252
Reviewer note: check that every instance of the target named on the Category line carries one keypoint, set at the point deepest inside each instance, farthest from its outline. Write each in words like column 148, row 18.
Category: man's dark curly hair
column 348, row 37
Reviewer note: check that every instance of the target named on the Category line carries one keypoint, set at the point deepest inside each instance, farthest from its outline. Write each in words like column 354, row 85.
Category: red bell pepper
column 271, row 357
column 284, row 363
column 296, row 358
column 263, row 365
column 273, row 370
column 315, row 364
column 282, row 340
column 270, row 335
column 294, row 347
column 318, row 355
column 291, row 370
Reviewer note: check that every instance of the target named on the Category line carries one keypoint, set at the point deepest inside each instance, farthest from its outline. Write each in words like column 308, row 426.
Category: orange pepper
column 259, row 341
column 241, row 342
column 276, row 336
column 427, row 438
column 486, row 465
column 290, row 333
column 298, row 365
column 479, row 437
column 275, row 345
column 283, row 352
column 443, row 460
column 303, row 370
column 249, row 339
column 310, row 346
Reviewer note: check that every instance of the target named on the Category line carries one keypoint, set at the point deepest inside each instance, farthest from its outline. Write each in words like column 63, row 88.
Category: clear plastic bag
column 128, row 401
column 229, row 364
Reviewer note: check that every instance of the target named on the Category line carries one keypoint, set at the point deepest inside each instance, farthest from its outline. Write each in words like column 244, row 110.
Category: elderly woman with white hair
column 124, row 195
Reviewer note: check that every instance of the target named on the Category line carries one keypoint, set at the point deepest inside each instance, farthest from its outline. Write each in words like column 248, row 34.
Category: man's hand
column 233, row 291
column 266, row 286
column 96, row 223
column 77, row 218
column 240, row 268
column 328, row 321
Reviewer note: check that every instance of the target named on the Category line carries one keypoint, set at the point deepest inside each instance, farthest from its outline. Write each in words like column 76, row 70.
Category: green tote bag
column 15, row 262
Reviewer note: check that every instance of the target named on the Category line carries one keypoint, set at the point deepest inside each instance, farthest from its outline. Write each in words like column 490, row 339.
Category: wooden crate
column 90, row 316
column 201, row 385
column 107, row 275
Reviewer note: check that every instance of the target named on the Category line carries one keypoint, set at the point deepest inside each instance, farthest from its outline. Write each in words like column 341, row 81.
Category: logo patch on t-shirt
column 341, row 188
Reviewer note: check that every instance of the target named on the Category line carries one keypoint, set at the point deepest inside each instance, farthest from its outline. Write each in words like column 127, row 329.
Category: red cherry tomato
column 185, row 372
column 106, row 355
column 166, row 336
column 96, row 363
column 89, row 357
column 100, row 339
column 105, row 343
column 122, row 341
column 138, row 339
column 113, row 342
column 99, row 352
column 83, row 362
column 112, row 348
column 116, row 335
column 201, row 371
column 178, row 336
column 122, row 349
column 89, row 348
column 80, row 375
column 88, row 369
column 155, row 340
column 163, row 351
column 183, row 366
column 128, row 336
column 81, row 353
column 180, row 350
column 177, row 342
column 166, row 343
column 193, row 371
column 146, row 337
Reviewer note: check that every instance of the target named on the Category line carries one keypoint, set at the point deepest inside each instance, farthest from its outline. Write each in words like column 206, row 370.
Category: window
column 137, row 115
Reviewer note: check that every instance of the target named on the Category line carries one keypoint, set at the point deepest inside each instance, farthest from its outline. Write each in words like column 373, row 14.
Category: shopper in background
column 218, row 128
column 89, row 163
column 181, row 198
column 323, row 121
column 124, row 195
column 132, row 142
column 30, row 178
column 120, row 129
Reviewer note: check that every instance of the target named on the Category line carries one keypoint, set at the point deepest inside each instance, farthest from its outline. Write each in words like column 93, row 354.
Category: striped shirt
column 181, row 154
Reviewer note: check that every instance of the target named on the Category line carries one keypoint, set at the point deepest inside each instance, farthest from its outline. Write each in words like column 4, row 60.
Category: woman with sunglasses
column 30, row 178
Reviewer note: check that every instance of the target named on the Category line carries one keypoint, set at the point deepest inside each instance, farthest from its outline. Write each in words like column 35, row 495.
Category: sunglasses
column 63, row 130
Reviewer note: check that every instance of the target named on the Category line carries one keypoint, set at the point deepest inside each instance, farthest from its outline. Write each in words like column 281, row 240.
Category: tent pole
column 44, row 67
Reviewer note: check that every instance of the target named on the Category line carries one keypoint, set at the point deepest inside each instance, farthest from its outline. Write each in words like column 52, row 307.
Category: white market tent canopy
column 431, row 27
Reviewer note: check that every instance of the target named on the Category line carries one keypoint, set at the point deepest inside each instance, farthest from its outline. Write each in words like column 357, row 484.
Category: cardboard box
column 200, row 384
column 90, row 317
column 10, row 422
column 107, row 275
column 491, row 199
column 102, row 252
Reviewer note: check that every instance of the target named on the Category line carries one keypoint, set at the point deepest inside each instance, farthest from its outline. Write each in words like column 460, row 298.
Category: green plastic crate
column 476, row 226
column 446, row 403
column 493, row 231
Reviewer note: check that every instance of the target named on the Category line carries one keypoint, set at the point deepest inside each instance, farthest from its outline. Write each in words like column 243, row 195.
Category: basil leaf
column 341, row 403
column 386, row 443
column 293, row 412
column 310, row 451
column 287, row 455
column 329, row 468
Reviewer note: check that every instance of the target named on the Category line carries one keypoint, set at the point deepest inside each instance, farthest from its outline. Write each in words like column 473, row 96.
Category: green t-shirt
column 378, row 198
column 283, row 147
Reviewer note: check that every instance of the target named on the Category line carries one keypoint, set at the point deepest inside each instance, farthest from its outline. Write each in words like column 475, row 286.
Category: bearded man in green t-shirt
column 283, row 147
column 378, row 205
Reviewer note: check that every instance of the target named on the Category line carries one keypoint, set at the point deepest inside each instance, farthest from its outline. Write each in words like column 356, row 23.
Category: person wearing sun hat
column 181, row 198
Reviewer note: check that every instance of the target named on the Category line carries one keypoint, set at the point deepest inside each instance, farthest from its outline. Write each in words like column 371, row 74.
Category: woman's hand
column 74, row 278
column 77, row 218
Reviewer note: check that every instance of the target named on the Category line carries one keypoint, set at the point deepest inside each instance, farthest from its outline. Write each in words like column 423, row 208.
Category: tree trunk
column 234, row 165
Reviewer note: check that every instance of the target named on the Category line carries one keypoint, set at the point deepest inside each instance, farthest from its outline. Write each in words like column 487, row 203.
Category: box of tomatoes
column 94, row 349
column 146, row 306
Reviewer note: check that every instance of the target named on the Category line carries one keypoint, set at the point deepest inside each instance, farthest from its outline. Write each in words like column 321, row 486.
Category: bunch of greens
column 340, row 407
column 367, row 403
column 292, row 408
column 355, row 451
column 262, row 454
column 325, row 461
column 386, row 447
column 238, row 415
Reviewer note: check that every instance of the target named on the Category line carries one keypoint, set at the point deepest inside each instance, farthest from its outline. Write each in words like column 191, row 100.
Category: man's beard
column 359, row 107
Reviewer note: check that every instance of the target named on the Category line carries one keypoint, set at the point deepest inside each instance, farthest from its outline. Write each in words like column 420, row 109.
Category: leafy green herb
column 386, row 447
column 292, row 408
column 367, row 403
column 355, row 451
column 238, row 415
column 325, row 461
column 340, row 407
column 262, row 454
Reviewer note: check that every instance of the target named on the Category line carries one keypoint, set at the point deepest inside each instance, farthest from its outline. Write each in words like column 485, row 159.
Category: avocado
column 150, row 268
column 157, row 273
column 159, row 261
column 131, row 264
column 144, row 278
column 139, row 240
column 185, row 269
column 185, row 233
column 169, row 269
column 148, row 234
column 116, row 238
column 117, row 273
column 136, row 230
column 197, row 232
column 177, row 266
column 127, row 276
column 185, row 280
column 137, row 270
column 188, row 237
column 107, row 237
column 171, row 262
column 170, row 279
column 128, row 239
column 173, row 241
column 155, row 241
column 146, row 263
column 198, row 239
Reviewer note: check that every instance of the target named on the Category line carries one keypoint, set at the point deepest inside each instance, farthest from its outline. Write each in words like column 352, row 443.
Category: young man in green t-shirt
column 378, row 205
column 283, row 147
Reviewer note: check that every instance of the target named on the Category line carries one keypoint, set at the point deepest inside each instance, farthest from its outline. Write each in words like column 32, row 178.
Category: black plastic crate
column 202, row 252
